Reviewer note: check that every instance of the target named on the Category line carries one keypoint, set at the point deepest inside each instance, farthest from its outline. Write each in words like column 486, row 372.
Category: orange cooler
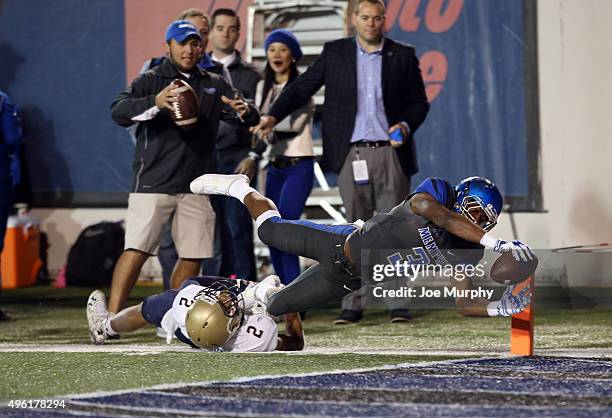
column 21, row 255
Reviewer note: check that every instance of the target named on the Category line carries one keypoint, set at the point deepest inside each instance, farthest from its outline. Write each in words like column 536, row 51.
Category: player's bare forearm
column 468, row 306
column 472, row 307
column 425, row 205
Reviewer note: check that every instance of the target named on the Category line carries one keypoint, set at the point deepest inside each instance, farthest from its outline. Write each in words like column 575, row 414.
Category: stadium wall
column 575, row 89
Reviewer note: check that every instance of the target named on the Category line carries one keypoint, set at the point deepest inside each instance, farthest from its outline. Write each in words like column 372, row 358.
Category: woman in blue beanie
column 291, row 169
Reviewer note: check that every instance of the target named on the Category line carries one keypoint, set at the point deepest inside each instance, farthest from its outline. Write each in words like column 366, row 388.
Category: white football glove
column 510, row 304
column 520, row 251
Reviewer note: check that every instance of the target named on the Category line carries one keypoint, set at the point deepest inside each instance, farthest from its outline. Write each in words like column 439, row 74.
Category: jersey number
column 418, row 256
column 256, row 332
column 186, row 302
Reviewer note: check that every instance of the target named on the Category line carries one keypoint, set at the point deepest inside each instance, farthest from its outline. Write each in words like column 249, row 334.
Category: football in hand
column 185, row 110
column 507, row 270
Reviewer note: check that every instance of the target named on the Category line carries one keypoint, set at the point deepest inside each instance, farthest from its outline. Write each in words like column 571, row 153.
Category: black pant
column 330, row 279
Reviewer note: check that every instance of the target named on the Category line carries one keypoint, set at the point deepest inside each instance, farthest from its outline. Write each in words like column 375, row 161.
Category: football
column 185, row 110
column 506, row 270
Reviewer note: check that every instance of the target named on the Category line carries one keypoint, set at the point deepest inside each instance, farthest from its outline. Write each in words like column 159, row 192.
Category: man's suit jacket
column 336, row 68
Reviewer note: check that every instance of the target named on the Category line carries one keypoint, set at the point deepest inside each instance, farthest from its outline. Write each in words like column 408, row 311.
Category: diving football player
column 436, row 217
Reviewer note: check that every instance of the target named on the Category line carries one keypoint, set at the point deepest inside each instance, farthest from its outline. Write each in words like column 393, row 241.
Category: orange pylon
column 521, row 336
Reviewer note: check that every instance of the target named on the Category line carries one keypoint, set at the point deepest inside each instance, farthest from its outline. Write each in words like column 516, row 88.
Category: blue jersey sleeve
column 440, row 189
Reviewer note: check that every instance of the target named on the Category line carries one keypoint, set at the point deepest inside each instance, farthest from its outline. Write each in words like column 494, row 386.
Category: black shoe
column 348, row 317
column 113, row 337
column 400, row 315
column 4, row 316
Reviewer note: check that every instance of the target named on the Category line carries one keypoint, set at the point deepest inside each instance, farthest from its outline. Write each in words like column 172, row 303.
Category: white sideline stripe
column 134, row 349
column 146, row 349
column 179, row 385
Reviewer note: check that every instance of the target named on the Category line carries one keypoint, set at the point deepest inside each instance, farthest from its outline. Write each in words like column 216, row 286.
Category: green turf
column 40, row 375
column 57, row 316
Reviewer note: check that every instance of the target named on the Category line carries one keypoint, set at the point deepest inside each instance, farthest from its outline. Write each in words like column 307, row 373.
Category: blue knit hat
column 286, row 37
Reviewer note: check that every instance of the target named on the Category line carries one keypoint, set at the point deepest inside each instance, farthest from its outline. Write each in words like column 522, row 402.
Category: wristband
column 488, row 241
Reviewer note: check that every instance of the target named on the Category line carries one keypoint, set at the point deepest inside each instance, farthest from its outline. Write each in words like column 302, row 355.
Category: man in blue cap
column 168, row 157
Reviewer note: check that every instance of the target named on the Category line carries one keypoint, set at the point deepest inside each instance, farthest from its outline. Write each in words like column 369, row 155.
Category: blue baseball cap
column 179, row 30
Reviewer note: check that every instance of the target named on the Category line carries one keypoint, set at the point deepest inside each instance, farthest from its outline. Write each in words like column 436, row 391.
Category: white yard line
column 90, row 348
column 145, row 349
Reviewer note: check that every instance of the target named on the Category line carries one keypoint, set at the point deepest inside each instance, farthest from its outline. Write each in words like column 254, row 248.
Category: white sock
column 265, row 216
column 109, row 329
column 240, row 189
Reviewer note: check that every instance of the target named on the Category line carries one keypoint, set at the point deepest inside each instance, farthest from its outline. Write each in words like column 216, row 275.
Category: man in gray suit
column 374, row 102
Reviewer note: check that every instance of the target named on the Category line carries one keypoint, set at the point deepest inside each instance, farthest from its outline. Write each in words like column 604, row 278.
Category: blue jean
column 289, row 188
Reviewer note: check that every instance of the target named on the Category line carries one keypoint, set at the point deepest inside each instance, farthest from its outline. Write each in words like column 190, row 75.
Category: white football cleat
column 216, row 183
column 96, row 316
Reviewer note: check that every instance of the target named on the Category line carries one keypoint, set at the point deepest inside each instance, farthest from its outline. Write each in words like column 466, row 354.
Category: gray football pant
column 387, row 187
column 331, row 278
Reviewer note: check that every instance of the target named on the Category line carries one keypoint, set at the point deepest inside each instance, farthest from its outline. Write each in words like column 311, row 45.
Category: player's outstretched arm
column 293, row 338
column 509, row 304
column 467, row 306
column 424, row 204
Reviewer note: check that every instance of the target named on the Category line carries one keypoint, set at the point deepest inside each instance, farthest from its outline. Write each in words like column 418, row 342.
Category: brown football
column 506, row 270
column 185, row 111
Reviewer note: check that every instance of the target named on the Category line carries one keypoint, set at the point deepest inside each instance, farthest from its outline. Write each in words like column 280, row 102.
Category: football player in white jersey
column 213, row 313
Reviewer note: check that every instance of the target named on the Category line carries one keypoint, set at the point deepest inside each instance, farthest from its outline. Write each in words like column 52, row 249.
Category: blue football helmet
column 479, row 193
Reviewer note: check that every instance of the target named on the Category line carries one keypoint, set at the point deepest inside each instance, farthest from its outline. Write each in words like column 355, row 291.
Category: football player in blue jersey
column 436, row 217
column 213, row 313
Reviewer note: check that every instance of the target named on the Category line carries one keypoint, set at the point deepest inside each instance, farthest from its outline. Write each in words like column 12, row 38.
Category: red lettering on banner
column 409, row 21
column 434, row 67
column 438, row 21
column 391, row 12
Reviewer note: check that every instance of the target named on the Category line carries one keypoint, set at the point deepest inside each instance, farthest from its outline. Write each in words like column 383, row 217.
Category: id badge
column 360, row 172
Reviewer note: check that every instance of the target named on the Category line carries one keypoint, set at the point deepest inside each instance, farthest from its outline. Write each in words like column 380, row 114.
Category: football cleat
column 216, row 183
column 96, row 317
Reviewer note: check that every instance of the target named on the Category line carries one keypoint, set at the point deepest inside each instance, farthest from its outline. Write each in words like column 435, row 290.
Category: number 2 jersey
column 257, row 331
column 400, row 235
